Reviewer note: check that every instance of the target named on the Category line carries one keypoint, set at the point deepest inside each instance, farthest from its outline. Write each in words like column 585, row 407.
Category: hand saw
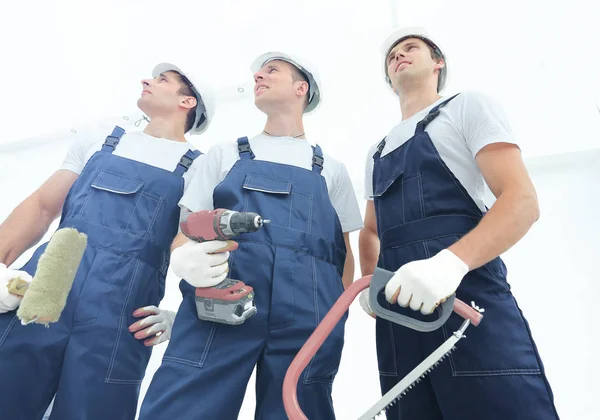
column 471, row 315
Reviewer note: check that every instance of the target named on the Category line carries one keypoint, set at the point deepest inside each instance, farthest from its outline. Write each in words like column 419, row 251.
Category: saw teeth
column 415, row 382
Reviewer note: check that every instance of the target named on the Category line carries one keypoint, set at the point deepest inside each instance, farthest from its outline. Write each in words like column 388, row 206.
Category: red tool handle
column 320, row 334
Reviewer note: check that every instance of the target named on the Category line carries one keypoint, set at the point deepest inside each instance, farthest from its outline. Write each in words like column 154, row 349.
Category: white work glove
column 424, row 284
column 157, row 324
column 363, row 299
column 8, row 301
column 200, row 263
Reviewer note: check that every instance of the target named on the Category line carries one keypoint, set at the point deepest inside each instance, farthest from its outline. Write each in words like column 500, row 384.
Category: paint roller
column 45, row 297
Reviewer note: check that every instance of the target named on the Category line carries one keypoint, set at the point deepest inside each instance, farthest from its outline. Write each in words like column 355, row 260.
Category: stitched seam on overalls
column 290, row 210
column 307, row 380
column 460, row 187
column 502, row 372
column 426, row 249
column 287, row 247
column 8, row 329
column 422, row 202
column 135, row 206
column 393, row 347
column 416, row 241
column 538, row 359
column 150, row 227
column 310, row 212
column 85, row 203
column 486, row 372
column 418, row 221
column 391, row 177
column 499, row 280
column 403, row 201
column 76, row 303
column 200, row 363
column 108, row 379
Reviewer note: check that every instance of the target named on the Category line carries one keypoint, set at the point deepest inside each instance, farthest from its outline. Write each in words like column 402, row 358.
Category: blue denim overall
column 89, row 359
column 295, row 265
column 496, row 372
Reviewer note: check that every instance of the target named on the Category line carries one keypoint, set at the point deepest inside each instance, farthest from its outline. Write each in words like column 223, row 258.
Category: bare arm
column 368, row 242
column 179, row 240
column 512, row 215
column 348, row 276
column 29, row 221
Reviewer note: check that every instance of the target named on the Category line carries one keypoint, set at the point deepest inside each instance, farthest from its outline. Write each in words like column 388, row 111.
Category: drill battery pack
column 230, row 302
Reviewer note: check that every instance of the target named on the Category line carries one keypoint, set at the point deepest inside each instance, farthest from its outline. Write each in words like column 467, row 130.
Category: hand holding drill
column 202, row 262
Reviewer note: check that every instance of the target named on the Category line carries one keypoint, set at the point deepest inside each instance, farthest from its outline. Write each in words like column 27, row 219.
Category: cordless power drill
column 231, row 301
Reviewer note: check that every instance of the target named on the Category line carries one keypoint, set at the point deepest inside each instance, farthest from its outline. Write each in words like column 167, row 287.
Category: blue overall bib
column 295, row 265
column 495, row 373
column 129, row 211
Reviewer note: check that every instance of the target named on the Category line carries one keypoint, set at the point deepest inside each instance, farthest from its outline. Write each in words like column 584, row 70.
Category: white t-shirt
column 464, row 126
column 284, row 150
column 136, row 145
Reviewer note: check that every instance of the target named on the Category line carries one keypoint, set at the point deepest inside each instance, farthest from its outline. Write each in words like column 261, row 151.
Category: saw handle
column 381, row 277
column 320, row 334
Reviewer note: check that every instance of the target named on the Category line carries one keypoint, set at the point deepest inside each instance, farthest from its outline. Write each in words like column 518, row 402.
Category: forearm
column 368, row 251
column 348, row 276
column 23, row 228
column 509, row 219
column 179, row 240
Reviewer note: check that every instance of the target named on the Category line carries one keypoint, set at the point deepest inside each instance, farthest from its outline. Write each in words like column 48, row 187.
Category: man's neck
column 416, row 99
column 284, row 125
column 165, row 129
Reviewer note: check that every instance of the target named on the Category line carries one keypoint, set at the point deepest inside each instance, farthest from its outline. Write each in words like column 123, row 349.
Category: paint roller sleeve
column 47, row 293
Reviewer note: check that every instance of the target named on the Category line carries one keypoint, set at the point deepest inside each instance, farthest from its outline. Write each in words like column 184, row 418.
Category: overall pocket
column 501, row 344
column 290, row 209
column 121, row 203
column 193, row 337
column 399, row 200
column 324, row 291
column 129, row 356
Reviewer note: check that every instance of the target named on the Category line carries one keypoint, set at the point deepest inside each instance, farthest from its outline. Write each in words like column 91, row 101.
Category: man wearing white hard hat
column 427, row 222
column 298, row 264
column 123, row 193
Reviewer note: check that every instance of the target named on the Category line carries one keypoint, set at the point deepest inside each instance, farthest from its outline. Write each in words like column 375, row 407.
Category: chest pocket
column 276, row 199
column 121, row 203
column 399, row 199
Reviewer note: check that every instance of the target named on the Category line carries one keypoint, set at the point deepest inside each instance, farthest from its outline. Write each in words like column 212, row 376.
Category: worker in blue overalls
column 298, row 264
column 426, row 221
column 123, row 193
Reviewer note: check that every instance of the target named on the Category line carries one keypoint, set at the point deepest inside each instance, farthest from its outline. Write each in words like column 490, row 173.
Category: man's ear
column 188, row 102
column 302, row 88
column 440, row 64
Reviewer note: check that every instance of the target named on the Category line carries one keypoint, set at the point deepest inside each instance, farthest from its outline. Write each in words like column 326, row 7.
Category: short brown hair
column 187, row 90
column 299, row 76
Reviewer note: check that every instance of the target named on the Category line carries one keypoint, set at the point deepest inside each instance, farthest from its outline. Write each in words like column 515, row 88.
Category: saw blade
column 415, row 376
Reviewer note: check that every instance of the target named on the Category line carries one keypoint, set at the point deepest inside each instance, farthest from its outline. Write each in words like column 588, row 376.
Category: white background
column 70, row 65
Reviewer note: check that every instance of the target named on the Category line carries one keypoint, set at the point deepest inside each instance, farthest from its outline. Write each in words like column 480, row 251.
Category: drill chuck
column 233, row 223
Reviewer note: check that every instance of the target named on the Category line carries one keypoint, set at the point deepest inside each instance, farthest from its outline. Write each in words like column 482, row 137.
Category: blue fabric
column 295, row 266
column 89, row 359
column 496, row 372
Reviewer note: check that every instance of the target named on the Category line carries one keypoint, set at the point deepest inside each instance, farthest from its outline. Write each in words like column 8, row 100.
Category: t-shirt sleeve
column 344, row 200
column 79, row 151
column 369, row 173
column 484, row 122
column 199, row 193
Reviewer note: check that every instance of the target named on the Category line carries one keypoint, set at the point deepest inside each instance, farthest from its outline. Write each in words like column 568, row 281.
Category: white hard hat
column 400, row 35
column 206, row 100
column 314, row 82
